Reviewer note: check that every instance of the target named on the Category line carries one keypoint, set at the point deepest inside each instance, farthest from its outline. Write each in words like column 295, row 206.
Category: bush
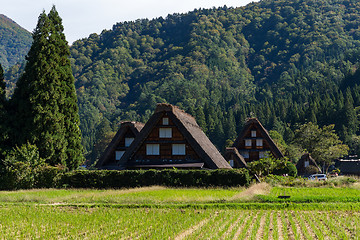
column 311, row 169
column 140, row 178
column 286, row 168
column 23, row 169
column 21, row 175
column 47, row 176
column 271, row 165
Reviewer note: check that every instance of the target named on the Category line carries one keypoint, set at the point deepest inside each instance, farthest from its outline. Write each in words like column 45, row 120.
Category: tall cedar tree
column 45, row 98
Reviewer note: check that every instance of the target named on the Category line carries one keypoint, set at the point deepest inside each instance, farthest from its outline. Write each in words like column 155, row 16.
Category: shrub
column 311, row 169
column 140, row 178
column 286, row 168
column 271, row 165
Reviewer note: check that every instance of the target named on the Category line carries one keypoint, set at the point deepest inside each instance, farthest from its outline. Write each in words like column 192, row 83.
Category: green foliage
column 311, row 169
column 304, row 183
column 354, row 144
column 103, row 136
column 285, row 168
column 15, row 42
column 279, row 140
column 3, row 112
column 140, row 178
column 22, row 167
column 44, row 101
column 323, row 144
column 270, row 59
column 221, row 65
column 271, row 165
column 263, row 166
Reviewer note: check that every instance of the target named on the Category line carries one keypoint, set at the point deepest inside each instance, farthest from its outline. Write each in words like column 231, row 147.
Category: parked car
column 317, row 177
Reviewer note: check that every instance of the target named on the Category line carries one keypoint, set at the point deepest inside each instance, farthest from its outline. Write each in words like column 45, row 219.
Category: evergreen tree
column 349, row 115
column 230, row 126
column 69, row 107
column 200, row 119
column 45, row 98
column 103, row 137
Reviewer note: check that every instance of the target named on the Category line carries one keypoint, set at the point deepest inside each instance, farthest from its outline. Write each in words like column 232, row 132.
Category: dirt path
column 241, row 227
column 271, row 226
column 249, row 230
column 308, row 227
column 231, row 227
column 297, row 225
column 192, row 229
column 289, row 230
column 279, row 226
column 260, row 232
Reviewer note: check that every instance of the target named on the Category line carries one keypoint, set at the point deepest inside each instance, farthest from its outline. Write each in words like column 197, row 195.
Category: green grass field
column 168, row 213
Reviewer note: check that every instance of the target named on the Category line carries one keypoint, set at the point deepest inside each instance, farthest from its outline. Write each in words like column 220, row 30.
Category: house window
column 152, row 149
column 261, row 155
column 118, row 155
column 259, row 142
column 248, row 143
column 165, row 133
column 306, row 164
column 178, row 149
column 128, row 141
column 231, row 162
column 165, row 121
column 245, row 154
column 253, row 133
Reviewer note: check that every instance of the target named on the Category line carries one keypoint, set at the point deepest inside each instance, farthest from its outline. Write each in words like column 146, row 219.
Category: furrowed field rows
column 45, row 222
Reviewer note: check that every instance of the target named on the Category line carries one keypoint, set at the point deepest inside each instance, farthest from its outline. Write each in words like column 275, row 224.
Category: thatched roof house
column 172, row 138
column 254, row 142
column 234, row 158
column 303, row 164
column 119, row 144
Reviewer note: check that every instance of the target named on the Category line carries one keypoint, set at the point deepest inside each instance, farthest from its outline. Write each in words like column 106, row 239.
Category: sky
column 84, row 17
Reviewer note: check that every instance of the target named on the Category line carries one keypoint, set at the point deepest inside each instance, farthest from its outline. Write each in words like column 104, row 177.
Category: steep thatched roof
column 300, row 165
column 233, row 152
column 191, row 131
column 254, row 121
column 134, row 127
column 307, row 157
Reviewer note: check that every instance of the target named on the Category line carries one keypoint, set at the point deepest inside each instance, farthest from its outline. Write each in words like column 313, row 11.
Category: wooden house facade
column 172, row 138
column 254, row 142
column 119, row 144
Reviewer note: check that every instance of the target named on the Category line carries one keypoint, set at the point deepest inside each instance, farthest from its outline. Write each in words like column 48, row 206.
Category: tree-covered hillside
column 15, row 42
column 284, row 61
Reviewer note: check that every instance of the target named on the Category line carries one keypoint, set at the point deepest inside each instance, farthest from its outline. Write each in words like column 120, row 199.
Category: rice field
column 314, row 194
column 181, row 213
column 52, row 222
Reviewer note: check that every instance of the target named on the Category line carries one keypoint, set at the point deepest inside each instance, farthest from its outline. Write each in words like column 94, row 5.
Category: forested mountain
column 15, row 42
column 284, row 61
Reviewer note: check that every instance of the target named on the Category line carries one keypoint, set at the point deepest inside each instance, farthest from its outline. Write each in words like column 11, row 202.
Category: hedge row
column 51, row 177
column 140, row 178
